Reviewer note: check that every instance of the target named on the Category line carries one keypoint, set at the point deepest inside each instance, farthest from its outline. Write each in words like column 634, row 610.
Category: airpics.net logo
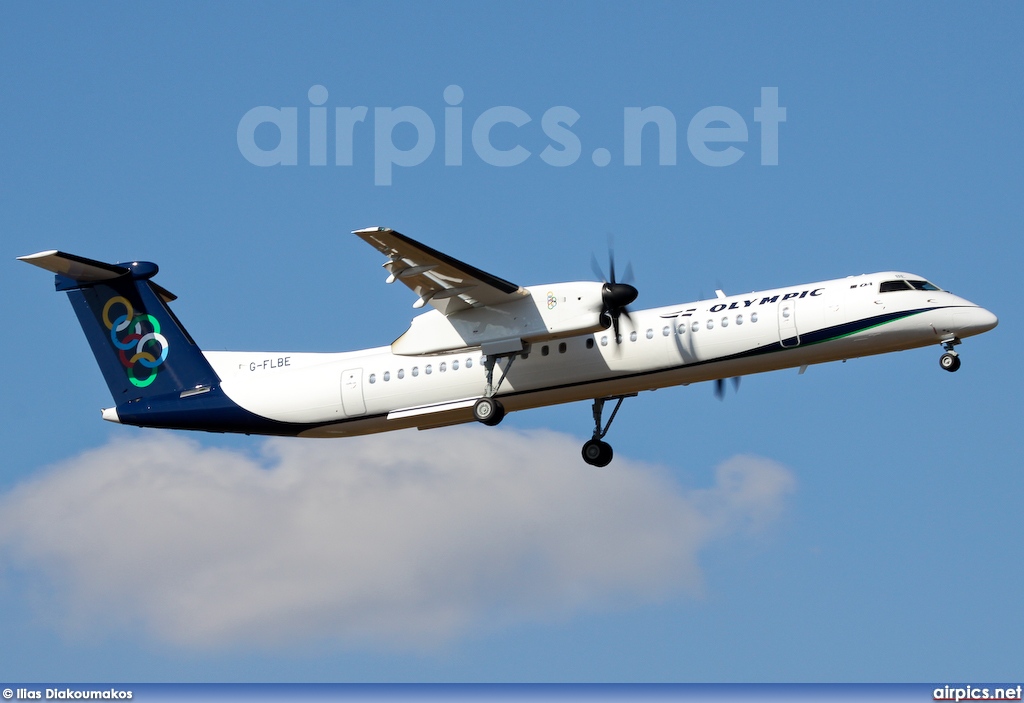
column 712, row 134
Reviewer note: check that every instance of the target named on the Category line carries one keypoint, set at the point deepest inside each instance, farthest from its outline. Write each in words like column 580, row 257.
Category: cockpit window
column 890, row 286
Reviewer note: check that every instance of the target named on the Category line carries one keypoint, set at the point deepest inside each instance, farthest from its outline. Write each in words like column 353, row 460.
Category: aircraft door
column 352, row 392
column 788, row 335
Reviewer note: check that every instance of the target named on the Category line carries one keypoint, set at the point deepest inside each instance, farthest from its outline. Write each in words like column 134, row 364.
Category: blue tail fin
column 141, row 347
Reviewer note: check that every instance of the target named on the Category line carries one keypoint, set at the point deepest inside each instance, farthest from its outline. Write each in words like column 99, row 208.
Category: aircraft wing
column 447, row 284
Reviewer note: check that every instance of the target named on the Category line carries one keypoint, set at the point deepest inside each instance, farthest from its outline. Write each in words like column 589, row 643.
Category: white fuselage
column 375, row 390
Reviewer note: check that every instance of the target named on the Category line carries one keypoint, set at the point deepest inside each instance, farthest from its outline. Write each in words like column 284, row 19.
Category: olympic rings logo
column 142, row 340
column 552, row 301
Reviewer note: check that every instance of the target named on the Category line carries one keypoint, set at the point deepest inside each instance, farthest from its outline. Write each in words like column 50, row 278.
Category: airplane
column 487, row 346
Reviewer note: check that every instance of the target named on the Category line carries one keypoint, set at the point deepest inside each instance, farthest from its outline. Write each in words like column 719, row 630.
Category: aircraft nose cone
column 985, row 320
column 974, row 321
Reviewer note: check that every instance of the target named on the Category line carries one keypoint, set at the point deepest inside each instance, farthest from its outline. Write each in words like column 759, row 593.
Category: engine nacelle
column 549, row 312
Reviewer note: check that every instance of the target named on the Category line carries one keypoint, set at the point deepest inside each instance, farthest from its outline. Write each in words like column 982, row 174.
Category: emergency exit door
column 352, row 392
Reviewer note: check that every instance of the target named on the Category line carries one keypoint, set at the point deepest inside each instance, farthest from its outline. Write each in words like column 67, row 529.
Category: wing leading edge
column 447, row 284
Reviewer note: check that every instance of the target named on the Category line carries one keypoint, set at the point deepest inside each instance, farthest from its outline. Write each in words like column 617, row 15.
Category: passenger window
column 682, row 328
column 562, row 348
column 544, row 350
column 604, row 341
column 632, row 336
column 442, row 367
column 401, row 373
column 739, row 319
column 590, row 342
column 753, row 317
column 415, row 371
column 387, row 375
column 455, row 365
column 428, row 369
column 725, row 322
column 650, row 334
column 469, row 363
column 665, row 330
column 695, row 326
column 373, row 378
column 711, row 324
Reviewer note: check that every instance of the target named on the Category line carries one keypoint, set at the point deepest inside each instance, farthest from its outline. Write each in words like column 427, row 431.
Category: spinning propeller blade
column 616, row 295
column 720, row 386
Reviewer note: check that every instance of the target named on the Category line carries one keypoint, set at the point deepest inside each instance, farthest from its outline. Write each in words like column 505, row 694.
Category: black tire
column 949, row 362
column 597, row 453
column 488, row 411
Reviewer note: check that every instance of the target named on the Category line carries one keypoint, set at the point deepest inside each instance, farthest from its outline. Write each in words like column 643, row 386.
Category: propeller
column 616, row 295
column 720, row 386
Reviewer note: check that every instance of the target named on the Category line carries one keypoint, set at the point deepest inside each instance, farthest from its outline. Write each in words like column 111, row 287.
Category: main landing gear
column 950, row 361
column 596, row 451
column 489, row 410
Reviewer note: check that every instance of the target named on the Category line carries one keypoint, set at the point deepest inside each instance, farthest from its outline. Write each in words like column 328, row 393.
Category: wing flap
column 447, row 284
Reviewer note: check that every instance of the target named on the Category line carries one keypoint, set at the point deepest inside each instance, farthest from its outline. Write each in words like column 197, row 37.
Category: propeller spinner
column 616, row 295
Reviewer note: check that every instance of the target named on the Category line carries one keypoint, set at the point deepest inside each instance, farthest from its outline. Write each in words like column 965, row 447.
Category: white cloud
column 406, row 539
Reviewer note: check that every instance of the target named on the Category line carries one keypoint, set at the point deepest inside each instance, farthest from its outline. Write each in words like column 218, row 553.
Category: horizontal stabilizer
column 74, row 267
column 89, row 271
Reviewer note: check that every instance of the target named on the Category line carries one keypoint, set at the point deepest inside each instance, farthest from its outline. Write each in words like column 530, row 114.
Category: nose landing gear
column 950, row 361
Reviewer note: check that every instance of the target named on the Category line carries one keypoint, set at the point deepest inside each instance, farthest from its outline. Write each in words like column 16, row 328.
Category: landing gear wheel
column 488, row 411
column 949, row 361
column 597, row 453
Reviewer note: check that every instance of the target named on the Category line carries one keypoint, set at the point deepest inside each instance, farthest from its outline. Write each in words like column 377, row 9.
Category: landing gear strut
column 950, row 361
column 597, row 452
column 489, row 410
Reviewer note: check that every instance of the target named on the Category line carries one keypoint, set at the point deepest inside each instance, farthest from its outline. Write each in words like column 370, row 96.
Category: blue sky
column 883, row 541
